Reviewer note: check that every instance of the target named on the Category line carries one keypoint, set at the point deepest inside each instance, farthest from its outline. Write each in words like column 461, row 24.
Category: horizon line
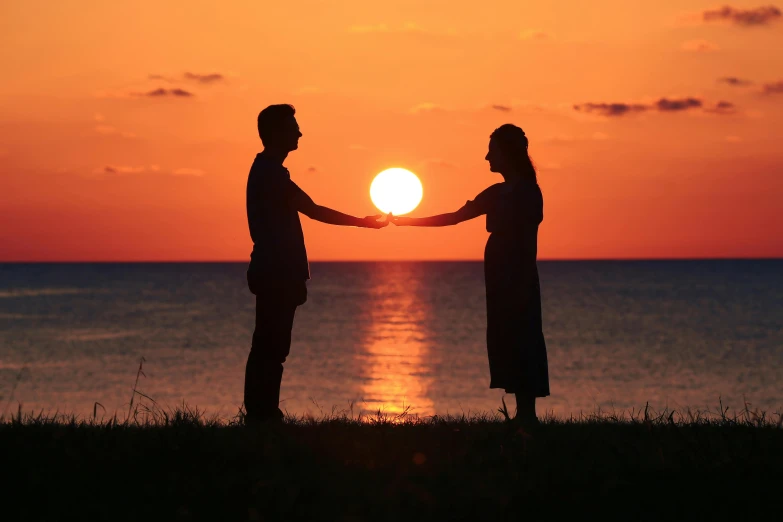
column 473, row 260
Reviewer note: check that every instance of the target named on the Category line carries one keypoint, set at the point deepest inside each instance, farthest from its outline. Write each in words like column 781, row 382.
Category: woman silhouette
column 514, row 209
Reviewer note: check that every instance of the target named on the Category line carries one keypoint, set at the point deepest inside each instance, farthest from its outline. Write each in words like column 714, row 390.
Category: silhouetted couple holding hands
column 279, row 269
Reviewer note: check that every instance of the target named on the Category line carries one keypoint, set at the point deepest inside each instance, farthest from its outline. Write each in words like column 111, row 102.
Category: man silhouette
column 278, row 264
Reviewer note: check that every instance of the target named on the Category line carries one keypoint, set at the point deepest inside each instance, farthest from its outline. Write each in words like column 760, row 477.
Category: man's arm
column 307, row 206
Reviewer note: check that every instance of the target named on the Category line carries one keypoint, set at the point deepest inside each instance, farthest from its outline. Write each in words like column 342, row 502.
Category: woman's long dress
column 515, row 337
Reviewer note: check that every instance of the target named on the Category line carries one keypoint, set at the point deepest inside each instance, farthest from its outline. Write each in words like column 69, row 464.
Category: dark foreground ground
column 182, row 467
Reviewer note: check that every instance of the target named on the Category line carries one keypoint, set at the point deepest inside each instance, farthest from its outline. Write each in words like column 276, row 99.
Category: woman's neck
column 511, row 177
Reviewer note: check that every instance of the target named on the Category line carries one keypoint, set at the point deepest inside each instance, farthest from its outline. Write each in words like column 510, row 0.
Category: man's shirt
column 278, row 242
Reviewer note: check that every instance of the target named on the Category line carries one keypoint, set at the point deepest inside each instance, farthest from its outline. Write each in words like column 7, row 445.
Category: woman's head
column 508, row 152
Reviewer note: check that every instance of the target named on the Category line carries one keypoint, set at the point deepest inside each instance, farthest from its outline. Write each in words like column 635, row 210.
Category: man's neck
column 275, row 156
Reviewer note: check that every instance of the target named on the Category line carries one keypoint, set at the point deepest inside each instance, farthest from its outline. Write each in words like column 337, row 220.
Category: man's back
column 278, row 242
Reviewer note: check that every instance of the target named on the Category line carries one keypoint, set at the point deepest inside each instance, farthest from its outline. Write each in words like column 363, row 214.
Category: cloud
column 161, row 92
column 567, row 139
column 734, row 81
column 103, row 127
column 408, row 28
column 616, row 109
column 772, row 88
column 722, row 107
column 611, row 109
column 426, row 107
column 744, row 17
column 560, row 138
column 516, row 106
column 108, row 130
column 533, row 34
column 667, row 105
column 190, row 76
column 439, row 163
column 502, row 108
column 363, row 29
column 128, row 169
column 185, row 171
column 119, row 169
column 699, row 46
column 204, row 78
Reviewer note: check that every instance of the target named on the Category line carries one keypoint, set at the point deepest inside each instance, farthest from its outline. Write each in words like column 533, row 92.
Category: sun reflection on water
column 397, row 373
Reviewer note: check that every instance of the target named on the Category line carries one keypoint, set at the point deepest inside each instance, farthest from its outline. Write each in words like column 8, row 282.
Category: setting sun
column 396, row 190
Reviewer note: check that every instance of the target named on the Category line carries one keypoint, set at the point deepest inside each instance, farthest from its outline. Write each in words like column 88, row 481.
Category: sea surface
column 391, row 336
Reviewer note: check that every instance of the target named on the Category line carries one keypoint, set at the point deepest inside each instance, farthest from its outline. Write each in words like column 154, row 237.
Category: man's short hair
column 271, row 119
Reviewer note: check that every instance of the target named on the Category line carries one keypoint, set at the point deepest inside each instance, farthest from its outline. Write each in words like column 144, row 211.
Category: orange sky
column 93, row 167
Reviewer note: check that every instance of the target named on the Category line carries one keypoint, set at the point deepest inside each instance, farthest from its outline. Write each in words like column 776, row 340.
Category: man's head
column 278, row 129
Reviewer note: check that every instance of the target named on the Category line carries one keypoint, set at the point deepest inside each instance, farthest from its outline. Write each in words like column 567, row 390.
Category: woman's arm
column 466, row 213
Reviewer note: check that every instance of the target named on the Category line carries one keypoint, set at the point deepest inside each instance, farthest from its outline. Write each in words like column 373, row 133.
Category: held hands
column 398, row 221
column 373, row 221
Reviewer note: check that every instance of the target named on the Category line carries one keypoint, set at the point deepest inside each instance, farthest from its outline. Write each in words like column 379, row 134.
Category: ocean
column 391, row 336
